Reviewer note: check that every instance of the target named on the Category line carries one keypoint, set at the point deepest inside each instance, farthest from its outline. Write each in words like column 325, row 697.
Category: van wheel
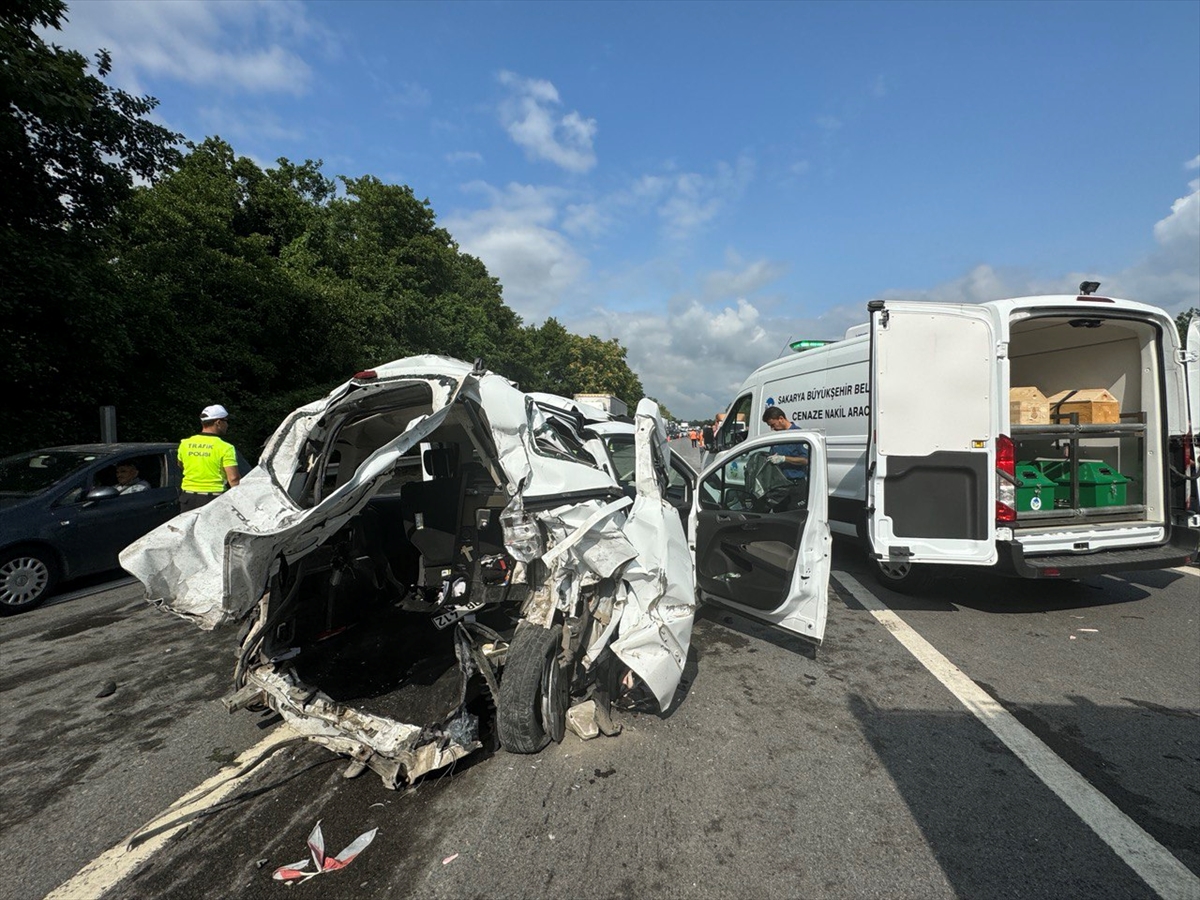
column 901, row 577
column 532, row 708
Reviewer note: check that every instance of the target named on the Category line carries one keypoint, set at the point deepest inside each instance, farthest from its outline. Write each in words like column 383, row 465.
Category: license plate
column 452, row 614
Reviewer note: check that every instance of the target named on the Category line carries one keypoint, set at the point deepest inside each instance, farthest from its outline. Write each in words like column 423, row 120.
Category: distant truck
column 614, row 406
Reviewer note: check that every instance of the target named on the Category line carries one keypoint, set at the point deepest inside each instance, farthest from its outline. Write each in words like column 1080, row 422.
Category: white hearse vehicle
column 926, row 466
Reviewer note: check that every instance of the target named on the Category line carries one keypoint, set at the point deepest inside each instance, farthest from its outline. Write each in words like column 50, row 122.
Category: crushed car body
column 428, row 546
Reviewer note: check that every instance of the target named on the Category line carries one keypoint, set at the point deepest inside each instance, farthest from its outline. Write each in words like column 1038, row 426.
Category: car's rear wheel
column 26, row 578
column 532, row 706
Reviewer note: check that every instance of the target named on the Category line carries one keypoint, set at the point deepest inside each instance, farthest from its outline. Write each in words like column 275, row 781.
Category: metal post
column 108, row 424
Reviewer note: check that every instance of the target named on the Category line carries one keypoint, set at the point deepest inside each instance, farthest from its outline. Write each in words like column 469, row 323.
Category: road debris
column 298, row 871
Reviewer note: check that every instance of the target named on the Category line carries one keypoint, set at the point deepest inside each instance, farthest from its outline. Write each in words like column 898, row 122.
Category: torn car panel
column 422, row 546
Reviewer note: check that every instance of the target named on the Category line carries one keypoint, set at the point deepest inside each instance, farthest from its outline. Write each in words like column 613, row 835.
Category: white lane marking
column 1185, row 570
column 1169, row 878
column 116, row 863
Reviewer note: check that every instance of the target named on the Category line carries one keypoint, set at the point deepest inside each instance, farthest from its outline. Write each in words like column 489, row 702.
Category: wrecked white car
column 428, row 543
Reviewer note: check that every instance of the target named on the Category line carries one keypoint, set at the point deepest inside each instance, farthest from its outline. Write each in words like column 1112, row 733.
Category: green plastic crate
column 1035, row 492
column 1099, row 483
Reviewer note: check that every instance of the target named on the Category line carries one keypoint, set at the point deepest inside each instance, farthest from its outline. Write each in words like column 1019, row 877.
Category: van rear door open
column 934, row 423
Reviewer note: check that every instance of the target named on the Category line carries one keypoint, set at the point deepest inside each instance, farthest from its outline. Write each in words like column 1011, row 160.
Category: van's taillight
column 1006, row 474
column 366, row 374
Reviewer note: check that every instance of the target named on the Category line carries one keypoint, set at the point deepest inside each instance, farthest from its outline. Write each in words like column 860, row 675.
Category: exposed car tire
column 533, row 691
column 27, row 576
column 901, row 577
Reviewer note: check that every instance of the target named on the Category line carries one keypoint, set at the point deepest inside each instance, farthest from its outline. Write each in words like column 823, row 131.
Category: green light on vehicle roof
column 800, row 346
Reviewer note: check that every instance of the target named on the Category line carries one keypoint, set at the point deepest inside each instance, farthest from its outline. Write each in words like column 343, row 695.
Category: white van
column 926, row 467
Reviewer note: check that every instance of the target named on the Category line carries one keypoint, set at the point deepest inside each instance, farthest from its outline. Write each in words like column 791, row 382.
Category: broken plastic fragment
column 316, row 846
column 581, row 719
column 449, row 859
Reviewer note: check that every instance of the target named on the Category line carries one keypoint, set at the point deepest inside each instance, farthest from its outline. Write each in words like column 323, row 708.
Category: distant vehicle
column 62, row 515
column 611, row 404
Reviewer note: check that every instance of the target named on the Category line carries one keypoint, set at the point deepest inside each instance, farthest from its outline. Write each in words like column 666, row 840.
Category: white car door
column 761, row 532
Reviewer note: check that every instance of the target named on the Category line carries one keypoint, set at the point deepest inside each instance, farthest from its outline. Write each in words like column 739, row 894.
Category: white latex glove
column 776, row 458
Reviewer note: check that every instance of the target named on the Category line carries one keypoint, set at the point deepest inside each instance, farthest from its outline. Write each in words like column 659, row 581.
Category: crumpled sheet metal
column 656, row 622
column 211, row 565
column 391, row 749
column 648, row 547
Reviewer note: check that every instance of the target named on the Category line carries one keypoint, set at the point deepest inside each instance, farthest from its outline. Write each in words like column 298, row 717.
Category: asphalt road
column 848, row 771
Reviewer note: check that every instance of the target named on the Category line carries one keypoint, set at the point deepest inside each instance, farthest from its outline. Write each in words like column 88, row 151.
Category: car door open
column 762, row 538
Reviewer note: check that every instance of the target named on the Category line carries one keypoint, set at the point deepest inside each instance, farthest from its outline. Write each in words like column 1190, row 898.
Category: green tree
column 216, row 280
column 667, row 415
column 559, row 362
column 1181, row 322
column 271, row 289
column 70, row 148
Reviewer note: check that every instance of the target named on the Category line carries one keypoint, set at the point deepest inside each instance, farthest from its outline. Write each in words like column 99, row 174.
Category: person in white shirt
column 128, row 479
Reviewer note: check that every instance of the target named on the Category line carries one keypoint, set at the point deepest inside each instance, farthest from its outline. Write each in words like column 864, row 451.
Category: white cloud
column 528, row 114
column 1182, row 226
column 252, row 125
column 464, row 156
column 409, row 95
column 742, row 278
column 691, row 200
column 516, row 239
column 249, row 47
column 585, row 219
column 693, row 359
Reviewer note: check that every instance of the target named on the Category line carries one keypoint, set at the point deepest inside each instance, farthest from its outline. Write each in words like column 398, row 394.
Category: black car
column 63, row 513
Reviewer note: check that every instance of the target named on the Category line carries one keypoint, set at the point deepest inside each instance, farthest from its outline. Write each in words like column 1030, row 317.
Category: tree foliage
column 215, row 280
column 70, row 148
column 1181, row 322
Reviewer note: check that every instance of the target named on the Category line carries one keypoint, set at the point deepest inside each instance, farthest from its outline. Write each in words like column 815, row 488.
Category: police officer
column 208, row 460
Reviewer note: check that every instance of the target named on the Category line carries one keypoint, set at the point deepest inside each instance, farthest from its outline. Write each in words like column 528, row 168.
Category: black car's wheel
column 900, row 576
column 533, row 691
column 26, row 578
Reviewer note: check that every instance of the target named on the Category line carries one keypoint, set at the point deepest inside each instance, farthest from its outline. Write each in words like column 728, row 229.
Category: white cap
column 214, row 412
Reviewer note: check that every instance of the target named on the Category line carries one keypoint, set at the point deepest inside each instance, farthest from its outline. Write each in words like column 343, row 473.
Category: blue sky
column 704, row 181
